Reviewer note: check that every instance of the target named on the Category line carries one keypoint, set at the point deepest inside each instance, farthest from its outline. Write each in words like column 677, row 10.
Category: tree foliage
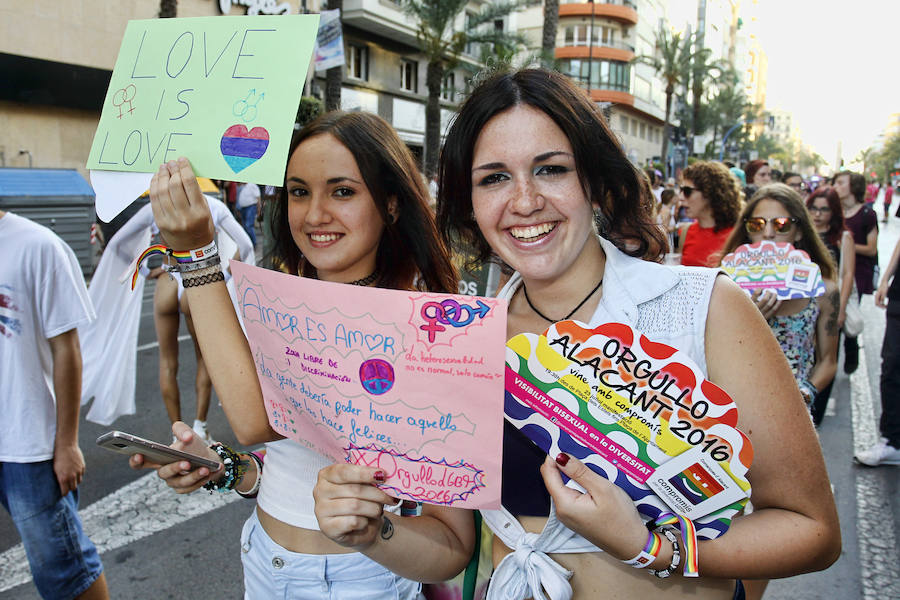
column 443, row 44
column 671, row 61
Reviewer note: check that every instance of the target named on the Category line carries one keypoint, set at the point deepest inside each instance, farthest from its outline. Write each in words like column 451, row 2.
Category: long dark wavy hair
column 836, row 223
column 810, row 241
column 609, row 179
column 411, row 253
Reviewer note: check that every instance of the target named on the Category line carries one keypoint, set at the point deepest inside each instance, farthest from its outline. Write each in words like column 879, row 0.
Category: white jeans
column 271, row 572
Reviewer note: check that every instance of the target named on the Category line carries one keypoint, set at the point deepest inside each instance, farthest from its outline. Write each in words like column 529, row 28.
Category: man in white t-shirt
column 42, row 302
column 248, row 203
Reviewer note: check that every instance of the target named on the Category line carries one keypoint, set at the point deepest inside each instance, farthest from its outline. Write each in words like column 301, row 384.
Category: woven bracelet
column 198, row 265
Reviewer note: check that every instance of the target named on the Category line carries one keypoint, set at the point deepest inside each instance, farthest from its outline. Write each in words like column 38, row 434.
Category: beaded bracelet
column 676, row 554
column 253, row 491
column 197, row 279
column 233, row 466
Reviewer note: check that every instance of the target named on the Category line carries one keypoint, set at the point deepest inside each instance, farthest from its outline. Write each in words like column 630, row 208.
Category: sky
column 832, row 64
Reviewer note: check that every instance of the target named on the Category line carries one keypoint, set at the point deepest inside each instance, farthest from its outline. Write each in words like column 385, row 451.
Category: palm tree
column 334, row 76
column 548, row 34
column 671, row 61
column 702, row 70
column 442, row 47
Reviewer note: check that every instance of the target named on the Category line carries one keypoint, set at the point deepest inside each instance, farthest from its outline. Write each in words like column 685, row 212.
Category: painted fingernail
column 562, row 459
column 380, row 476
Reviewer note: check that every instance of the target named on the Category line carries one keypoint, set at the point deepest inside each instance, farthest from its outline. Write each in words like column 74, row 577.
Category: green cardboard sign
column 222, row 91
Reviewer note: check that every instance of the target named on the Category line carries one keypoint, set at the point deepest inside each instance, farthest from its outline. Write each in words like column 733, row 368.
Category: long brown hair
column 608, row 177
column 810, row 241
column 411, row 253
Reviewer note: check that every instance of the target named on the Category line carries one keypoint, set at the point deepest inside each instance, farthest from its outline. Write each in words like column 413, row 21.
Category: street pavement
column 156, row 544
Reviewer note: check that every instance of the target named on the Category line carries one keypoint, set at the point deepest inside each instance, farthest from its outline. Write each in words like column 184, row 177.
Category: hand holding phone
column 125, row 443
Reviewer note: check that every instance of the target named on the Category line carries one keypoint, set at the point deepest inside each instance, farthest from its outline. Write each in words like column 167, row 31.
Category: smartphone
column 125, row 443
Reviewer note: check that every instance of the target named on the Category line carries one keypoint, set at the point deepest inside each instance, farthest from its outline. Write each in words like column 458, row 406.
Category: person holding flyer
column 531, row 171
column 806, row 328
column 353, row 210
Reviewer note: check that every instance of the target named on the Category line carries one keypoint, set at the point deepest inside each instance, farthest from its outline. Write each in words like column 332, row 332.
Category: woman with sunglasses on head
column 353, row 210
column 530, row 171
column 806, row 328
column 824, row 207
column 713, row 199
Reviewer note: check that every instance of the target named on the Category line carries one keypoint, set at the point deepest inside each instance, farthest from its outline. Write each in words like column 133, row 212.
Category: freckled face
column 527, row 198
column 332, row 215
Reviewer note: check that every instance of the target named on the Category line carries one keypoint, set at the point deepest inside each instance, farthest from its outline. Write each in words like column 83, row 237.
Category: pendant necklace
column 574, row 310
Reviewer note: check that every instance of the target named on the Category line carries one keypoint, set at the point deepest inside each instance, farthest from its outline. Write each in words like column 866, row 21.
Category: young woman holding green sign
column 353, row 210
column 530, row 171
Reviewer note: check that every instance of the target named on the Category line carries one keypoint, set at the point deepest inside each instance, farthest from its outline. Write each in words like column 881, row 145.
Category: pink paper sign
column 408, row 382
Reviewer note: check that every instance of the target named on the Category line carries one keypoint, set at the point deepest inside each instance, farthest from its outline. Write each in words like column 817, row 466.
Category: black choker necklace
column 365, row 280
column 574, row 310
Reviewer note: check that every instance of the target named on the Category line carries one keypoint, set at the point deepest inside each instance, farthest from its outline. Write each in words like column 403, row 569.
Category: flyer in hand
column 778, row 266
column 638, row 413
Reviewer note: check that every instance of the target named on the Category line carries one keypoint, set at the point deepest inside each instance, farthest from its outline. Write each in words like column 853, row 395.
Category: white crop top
column 290, row 476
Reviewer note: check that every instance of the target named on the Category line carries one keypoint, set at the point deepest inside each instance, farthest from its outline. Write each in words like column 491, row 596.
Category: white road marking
column 141, row 508
column 149, row 345
column 879, row 575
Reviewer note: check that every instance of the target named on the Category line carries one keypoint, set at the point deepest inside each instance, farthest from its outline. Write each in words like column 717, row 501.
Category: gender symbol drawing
column 246, row 108
column 123, row 96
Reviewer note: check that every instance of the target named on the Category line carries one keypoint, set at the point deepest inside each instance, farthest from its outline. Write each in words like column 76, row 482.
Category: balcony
column 619, row 51
column 619, row 10
column 382, row 17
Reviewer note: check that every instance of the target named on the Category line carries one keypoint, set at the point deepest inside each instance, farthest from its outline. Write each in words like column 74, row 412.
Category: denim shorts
column 270, row 572
column 63, row 561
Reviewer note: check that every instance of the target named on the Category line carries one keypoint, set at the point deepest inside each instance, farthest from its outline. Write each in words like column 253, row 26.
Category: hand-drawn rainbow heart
column 241, row 148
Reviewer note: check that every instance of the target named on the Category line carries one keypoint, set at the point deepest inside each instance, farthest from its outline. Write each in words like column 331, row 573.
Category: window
column 604, row 74
column 471, row 48
column 578, row 35
column 358, row 62
column 643, row 131
column 634, row 127
column 449, row 88
column 624, row 123
column 409, row 75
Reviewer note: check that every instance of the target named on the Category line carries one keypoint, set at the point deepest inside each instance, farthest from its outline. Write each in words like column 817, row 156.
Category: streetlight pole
column 591, row 49
column 733, row 127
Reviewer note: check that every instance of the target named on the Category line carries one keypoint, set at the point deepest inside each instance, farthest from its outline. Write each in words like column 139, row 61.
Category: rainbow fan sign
column 221, row 91
column 638, row 413
column 778, row 266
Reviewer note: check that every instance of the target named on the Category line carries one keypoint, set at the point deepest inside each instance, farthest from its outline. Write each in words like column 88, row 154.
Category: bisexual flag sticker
column 241, row 148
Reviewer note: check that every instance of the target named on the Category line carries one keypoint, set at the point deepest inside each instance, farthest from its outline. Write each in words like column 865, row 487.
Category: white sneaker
column 202, row 433
column 881, row 453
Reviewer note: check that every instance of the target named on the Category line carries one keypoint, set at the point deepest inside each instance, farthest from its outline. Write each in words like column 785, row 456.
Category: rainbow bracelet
column 181, row 257
column 688, row 539
column 650, row 552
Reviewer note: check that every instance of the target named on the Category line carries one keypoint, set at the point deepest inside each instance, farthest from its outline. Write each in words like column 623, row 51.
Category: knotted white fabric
column 528, row 572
